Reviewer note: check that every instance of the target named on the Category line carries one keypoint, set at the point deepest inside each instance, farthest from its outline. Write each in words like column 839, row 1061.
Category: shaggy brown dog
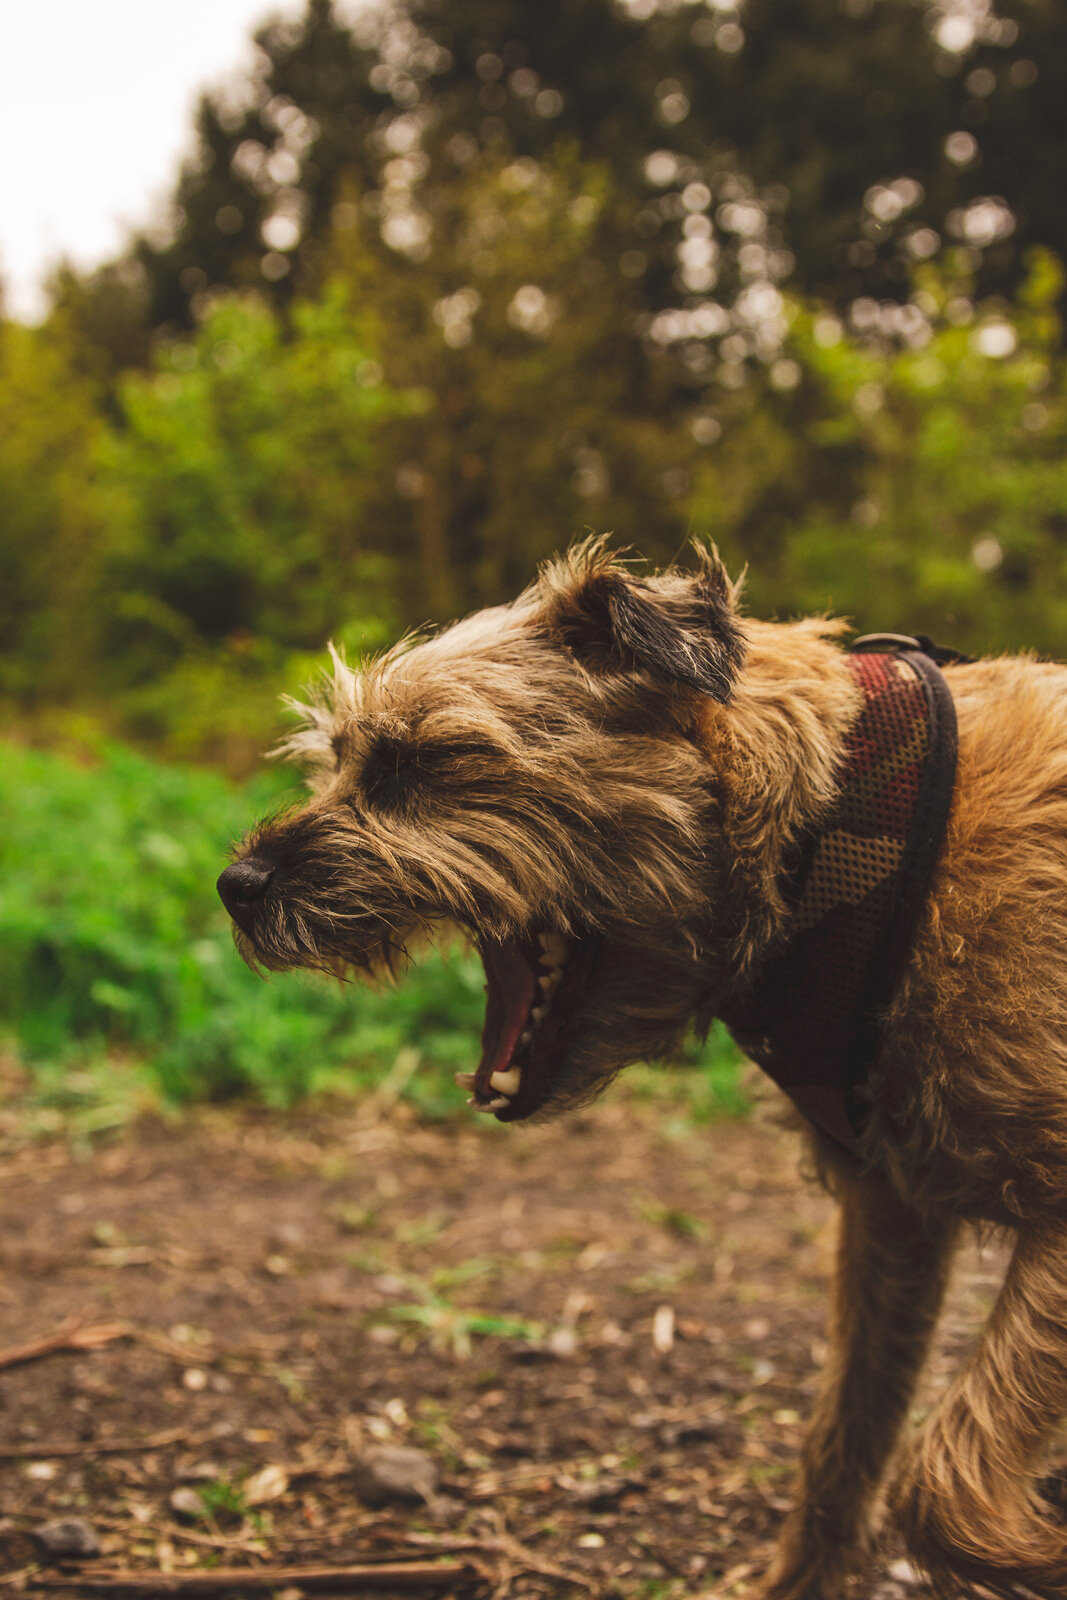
column 602, row 784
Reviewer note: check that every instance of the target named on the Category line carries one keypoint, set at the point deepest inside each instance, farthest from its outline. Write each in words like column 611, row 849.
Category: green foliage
column 112, row 939
column 526, row 348
column 809, row 103
column 453, row 1328
column 239, row 471
column 177, row 559
column 913, row 485
column 113, row 944
column 49, row 429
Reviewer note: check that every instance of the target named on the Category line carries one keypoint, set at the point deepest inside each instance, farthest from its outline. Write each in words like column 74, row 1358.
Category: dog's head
column 537, row 775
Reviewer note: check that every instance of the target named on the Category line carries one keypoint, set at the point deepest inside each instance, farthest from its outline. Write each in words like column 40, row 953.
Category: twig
column 219, row 1579
column 185, row 1354
column 249, row 1546
column 500, row 1544
column 99, row 1447
column 492, row 1484
column 70, row 1337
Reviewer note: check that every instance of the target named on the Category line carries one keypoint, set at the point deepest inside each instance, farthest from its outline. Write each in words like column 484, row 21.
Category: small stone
column 187, row 1503
column 563, row 1342
column 67, row 1537
column 289, row 1236
column 389, row 1474
column 663, row 1330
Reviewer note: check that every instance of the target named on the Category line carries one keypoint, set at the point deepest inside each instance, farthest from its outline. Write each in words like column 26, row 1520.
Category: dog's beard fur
column 488, row 779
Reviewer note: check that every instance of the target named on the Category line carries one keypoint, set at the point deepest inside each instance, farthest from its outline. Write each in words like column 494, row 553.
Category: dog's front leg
column 890, row 1279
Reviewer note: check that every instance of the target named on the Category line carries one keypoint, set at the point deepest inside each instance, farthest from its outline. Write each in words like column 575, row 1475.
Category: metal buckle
column 885, row 641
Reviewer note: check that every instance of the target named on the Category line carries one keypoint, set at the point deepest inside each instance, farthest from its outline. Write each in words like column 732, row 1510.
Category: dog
column 606, row 785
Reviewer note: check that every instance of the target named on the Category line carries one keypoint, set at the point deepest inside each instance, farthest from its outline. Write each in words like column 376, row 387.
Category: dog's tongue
column 512, row 987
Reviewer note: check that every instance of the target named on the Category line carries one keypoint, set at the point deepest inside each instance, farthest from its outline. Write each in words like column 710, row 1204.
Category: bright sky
column 96, row 103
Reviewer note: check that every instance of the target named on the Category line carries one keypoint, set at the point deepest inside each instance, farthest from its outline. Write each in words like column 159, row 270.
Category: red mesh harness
column 812, row 1018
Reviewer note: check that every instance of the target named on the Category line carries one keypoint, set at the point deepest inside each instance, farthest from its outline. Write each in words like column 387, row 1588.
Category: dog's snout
column 243, row 883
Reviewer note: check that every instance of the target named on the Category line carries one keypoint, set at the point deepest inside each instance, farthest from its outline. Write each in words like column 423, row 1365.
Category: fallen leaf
column 270, row 1483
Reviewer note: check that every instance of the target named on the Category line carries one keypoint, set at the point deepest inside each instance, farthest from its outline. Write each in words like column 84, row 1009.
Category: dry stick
column 501, row 1544
column 70, row 1337
column 250, row 1547
column 335, row 1579
column 100, row 1447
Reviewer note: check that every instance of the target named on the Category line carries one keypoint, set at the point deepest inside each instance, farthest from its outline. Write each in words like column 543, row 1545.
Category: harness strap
column 813, row 1017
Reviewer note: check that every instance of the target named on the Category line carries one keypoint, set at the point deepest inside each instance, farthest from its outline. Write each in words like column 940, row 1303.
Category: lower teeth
column 509, row 1081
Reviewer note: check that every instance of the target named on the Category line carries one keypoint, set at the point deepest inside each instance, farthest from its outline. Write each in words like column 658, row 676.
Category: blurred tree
column 545, row 413
column 270, row 154
column 49, row 433
column 920, row 487
column 100, row 318
column 836, row 140
column 237, row 474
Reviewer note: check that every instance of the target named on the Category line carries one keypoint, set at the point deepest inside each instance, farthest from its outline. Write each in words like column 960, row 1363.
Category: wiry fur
column 628, row 760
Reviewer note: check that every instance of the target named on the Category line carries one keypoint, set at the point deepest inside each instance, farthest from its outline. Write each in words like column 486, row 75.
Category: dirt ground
column 604, row 1336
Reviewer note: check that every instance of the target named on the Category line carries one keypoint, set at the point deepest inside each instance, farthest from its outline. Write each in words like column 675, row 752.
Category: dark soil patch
column 606, row 1335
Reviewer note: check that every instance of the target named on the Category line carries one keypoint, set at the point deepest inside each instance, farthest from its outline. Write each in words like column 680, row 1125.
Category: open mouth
column 531, row 987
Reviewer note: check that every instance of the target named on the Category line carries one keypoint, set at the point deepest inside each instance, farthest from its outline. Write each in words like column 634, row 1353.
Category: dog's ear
column 679, row 626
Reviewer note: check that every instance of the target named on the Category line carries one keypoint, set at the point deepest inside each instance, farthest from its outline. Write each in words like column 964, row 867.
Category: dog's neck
column 779, row 746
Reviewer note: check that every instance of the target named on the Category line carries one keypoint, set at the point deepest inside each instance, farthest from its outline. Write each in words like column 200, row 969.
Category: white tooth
column 465, row 1080
column 537, row 1012
column 507, row 1082
column 525, row 1036
column 498, row 1104
column 549, row 984
column 554, row 945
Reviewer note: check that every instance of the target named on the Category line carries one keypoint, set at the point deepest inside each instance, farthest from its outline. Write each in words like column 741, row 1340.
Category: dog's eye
column 393, row 770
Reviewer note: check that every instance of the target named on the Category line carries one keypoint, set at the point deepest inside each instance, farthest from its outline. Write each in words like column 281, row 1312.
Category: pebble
column 187, row 1503
column 394, row 1474
column 66, row 1537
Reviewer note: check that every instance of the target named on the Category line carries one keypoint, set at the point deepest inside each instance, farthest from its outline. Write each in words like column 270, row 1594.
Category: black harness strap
column 812, row 1018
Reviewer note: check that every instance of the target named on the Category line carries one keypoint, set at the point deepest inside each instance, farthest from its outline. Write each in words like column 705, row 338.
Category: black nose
column 243, row 883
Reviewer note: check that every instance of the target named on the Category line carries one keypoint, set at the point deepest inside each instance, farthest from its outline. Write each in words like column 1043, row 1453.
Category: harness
column 813, row 1017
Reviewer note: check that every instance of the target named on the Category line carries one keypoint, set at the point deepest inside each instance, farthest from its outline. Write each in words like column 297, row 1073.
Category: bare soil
column 605, row 1334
